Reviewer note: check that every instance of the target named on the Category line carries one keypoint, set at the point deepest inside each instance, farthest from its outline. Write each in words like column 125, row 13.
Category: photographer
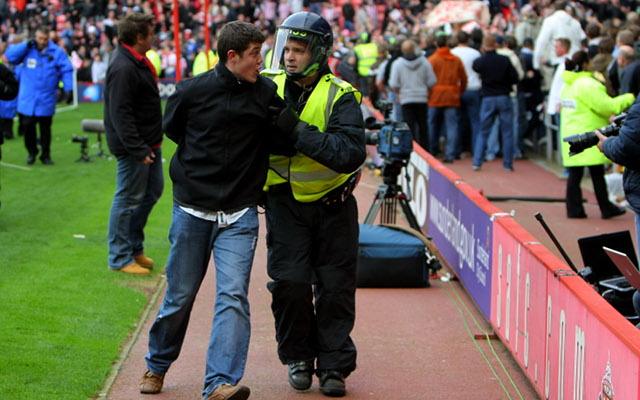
column 624, row 149
column 586, row 106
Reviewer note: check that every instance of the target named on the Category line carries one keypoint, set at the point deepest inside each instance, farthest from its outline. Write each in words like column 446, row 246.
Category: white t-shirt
column 468, row 55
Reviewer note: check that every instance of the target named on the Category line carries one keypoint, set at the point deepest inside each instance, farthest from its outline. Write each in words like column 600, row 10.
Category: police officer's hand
column 31, row 43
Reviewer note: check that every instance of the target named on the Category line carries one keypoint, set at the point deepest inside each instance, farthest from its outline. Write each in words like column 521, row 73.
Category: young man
column 133, row 125
column 312, row 218
column 220, row 120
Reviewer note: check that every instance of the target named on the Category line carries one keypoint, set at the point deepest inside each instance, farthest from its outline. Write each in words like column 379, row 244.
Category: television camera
column 394, row 143
column 83, row 140
column 582, row 141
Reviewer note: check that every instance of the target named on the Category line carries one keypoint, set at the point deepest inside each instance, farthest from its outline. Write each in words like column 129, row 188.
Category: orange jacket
column 452, row 80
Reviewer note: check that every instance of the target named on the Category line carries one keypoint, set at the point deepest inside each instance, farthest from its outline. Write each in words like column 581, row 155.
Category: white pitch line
column 15, row 166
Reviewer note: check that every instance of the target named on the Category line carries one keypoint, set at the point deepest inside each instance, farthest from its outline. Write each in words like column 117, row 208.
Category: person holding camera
column 44, row 65
column 586, row 106
column 312, row 217
column 624, row 149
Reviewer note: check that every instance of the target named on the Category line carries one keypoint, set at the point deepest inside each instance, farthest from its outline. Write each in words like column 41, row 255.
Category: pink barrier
column 567, row 339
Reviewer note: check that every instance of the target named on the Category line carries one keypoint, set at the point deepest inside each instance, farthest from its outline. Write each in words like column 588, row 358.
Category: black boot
column 332, row 384
column 300, row 375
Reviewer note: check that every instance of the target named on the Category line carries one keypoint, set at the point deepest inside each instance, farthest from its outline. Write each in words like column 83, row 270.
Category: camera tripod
column 387, row 197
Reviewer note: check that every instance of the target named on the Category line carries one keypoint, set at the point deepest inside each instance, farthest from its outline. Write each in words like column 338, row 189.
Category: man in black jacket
column 497, row 75
column 133, row 126
column 624, row 149
column 8, row 91
column 221, row 122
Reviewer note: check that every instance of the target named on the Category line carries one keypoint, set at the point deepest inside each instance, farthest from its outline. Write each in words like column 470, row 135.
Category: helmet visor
column 298, row 53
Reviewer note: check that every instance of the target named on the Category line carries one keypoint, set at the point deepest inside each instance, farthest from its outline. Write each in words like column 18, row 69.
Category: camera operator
column 624, row 149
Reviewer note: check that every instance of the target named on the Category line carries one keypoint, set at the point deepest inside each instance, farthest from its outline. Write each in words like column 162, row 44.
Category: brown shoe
column 151, row 383
column 143, row 261
column 135, row 269
column 228, row 392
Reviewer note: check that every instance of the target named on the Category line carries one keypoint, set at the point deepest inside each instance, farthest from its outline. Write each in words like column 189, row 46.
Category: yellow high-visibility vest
column 367, row 54
column 200, row 63
column 309, row 179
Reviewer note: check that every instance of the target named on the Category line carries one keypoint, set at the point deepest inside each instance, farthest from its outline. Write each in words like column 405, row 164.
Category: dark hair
column 463, row 37
column 133, row 25
column 576, row 62
column 593, row 30
column 511, row 42
column 237, row 36
column 606, row 45
column 44, row 29
column 442, row 40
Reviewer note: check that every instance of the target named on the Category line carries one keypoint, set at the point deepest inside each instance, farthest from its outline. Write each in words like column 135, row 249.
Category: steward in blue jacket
column 44, row 64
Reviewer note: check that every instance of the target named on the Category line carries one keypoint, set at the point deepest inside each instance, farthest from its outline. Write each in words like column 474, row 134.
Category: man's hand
column 31, row 44
column 601, row 139
column 149, row 159
column 286, row 119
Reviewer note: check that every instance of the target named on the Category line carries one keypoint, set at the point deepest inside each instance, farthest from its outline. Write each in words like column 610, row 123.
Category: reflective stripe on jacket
column 309, row 179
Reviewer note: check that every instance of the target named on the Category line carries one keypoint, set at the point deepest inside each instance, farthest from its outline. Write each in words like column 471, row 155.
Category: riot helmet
column 309, row 29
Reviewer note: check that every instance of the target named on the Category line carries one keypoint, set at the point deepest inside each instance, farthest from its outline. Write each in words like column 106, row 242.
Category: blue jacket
column 624, row 149
column 41, row 72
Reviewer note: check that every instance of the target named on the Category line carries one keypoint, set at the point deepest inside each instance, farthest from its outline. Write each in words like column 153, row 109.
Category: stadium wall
column 567, row 339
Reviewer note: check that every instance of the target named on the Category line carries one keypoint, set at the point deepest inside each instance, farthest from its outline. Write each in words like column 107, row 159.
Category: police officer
column 312, row 218
column 44, row 64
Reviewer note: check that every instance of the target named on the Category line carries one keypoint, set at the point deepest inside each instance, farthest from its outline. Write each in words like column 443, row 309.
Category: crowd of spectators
column 525, row 31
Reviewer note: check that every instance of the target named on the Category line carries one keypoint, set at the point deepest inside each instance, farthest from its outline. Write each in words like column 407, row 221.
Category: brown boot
column 143, row 261
column 228, row 392
column 134, row 269
column 151, row 383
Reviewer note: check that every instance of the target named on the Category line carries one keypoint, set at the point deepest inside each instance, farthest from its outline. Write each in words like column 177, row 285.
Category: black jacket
column 222, row 127
column 8, row 87
column 496, row 73
column 132, row 110
column 624, row 149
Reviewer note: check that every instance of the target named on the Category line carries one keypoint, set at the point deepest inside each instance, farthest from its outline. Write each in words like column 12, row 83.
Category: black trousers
column 574, row 192
column 312, row 255
column 30, row 137
column 415, row 115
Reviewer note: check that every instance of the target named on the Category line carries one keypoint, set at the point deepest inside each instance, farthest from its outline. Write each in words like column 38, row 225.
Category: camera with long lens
column 79, row 139
column 582, row 141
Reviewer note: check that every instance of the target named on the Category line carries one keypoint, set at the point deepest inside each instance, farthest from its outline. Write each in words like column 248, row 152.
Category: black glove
column 69, row 96
column 285, row 118
column 31, row 43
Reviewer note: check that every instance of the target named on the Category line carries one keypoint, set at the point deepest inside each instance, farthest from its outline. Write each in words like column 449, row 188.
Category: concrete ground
column 429, row 343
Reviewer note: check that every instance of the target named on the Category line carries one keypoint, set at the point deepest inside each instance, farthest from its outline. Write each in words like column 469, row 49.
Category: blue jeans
column 470, row 109
column 192, row 240
column 138, row 188
column 450, row 115
column 495, row 107
column 493, row 143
